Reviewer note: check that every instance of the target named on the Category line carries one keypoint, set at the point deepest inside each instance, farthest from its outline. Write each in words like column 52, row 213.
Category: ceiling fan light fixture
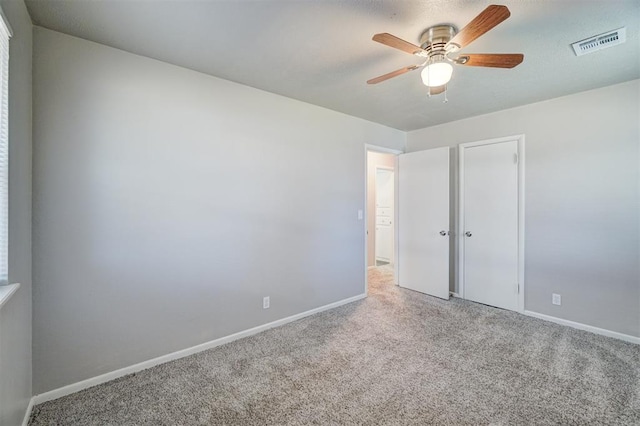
column 440, row 41
column 437, row 74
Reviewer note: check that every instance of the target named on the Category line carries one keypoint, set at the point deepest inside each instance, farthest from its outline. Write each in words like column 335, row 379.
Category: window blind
column 5, row 34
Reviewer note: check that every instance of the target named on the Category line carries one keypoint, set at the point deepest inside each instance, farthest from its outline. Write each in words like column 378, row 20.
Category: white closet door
column 423, row 218
column 384, row 214
column 491, row 224
column 384, row 242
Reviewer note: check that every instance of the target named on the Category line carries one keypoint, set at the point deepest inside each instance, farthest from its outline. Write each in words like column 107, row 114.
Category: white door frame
column 461, row 224
column 384, row 150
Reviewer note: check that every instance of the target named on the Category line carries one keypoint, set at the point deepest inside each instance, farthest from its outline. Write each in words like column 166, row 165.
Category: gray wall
column 167, row 203
column 582, row 196
column 15, row 316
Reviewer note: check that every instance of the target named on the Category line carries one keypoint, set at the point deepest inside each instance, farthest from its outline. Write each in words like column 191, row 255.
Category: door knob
column 443, row 233
column 468, row 234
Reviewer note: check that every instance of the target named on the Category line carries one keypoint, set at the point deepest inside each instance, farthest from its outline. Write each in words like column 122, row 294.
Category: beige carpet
column 397, row 357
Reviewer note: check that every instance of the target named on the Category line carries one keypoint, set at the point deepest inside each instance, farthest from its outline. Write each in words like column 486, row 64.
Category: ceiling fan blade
column 486, row 20
column 398, row 43
column 495, row 60
column 392, row 74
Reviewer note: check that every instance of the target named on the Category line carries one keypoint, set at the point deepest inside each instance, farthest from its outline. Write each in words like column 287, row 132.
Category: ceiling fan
column 437, row 43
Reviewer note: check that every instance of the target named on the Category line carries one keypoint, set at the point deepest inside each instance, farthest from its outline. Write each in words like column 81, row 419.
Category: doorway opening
column 380, row 220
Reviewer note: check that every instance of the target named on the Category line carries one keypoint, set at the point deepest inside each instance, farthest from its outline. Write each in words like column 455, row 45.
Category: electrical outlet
column 265, row 302
column 556, row 299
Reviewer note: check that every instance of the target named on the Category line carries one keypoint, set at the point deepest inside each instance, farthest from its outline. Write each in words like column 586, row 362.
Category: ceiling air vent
column 599, row 42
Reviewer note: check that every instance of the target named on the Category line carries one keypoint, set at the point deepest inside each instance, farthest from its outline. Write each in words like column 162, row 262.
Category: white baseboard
column 27, row 415
column 84, row 384
column 580, row 326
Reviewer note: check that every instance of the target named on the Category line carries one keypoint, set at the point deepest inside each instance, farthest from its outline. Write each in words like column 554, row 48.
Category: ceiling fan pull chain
column 445, row 94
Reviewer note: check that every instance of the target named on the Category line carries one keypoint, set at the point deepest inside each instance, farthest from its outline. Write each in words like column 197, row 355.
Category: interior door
column 384, row 215
column 423, row 221
column 491, row 224
column 384, row 239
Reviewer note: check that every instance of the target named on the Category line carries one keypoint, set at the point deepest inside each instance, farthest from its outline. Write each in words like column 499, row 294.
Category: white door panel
column 423, row 212
column 491, row 224
column 384, row 242
column 384, row 188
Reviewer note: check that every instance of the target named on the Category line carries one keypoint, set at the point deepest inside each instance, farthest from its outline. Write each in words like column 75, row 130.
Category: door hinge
column 515, row 158
column 518, row 288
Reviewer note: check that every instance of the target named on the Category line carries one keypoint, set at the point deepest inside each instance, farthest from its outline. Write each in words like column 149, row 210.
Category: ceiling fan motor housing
column 434, row 39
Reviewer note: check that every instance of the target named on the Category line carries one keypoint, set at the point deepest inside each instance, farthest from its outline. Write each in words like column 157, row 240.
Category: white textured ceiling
column 321, row 51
